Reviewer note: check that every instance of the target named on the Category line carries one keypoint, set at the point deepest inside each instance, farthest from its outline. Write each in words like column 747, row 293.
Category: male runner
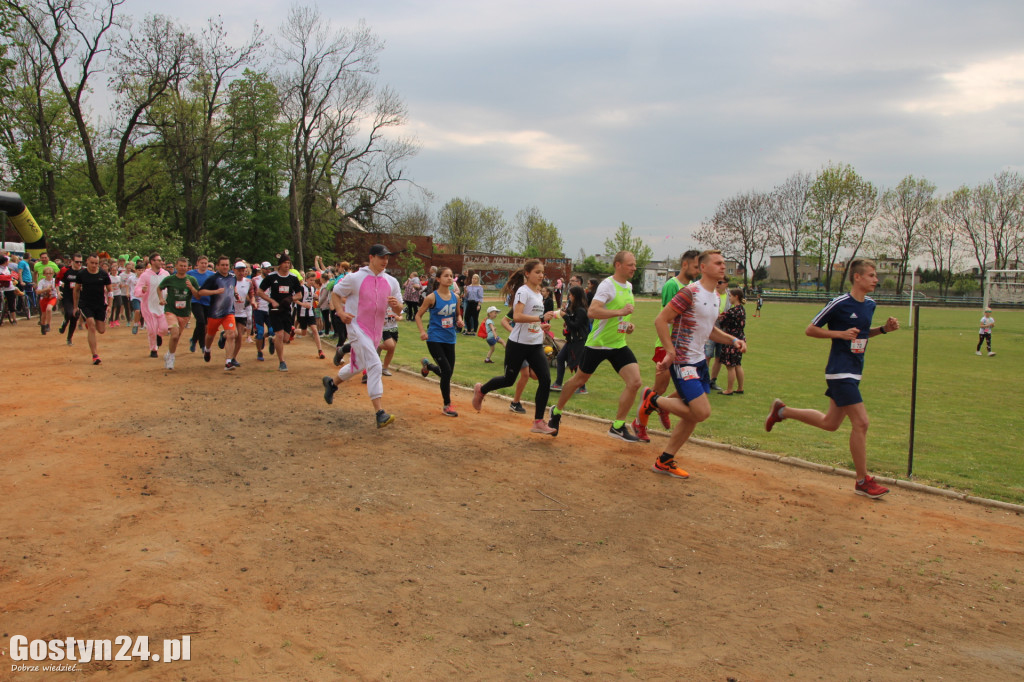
column 67, row 277
column 244, row 300
column 689, row 271
column 848, row 318
column 221, row 290
column 181, row 287
column 692, row 313
column 261, row 312
column 367, row 294
column 92, row 285
column 611, row 308
column 152, row 311
column 200, row 304
column 277, row 289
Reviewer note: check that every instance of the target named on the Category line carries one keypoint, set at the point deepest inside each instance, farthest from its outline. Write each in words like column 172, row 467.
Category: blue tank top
column 442, row 319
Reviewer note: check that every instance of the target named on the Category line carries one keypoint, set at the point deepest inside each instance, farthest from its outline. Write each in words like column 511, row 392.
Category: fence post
column 913, row 392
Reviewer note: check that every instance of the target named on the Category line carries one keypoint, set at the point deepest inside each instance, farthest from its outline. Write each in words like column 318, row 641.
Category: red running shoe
column 773, row 415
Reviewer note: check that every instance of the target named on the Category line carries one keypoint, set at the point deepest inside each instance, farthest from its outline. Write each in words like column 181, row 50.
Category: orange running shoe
column 668, row 468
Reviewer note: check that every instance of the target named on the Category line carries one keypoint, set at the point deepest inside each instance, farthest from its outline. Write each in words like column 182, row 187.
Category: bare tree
column 328, row 94
column 938, row 234
column 960, row 208
column 787, row 219
column 741, row 228
column 1000, row 206
column 903, row 211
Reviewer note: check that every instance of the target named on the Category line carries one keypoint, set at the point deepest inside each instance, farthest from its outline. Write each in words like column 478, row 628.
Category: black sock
column 665, row 458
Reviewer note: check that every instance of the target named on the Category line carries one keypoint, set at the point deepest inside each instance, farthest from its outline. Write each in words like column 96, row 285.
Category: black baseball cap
column 379, row 250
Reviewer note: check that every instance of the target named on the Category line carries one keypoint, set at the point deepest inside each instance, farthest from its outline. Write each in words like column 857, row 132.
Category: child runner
column 526, row 342
column 46, row 291
column 307, row 311
column 760, row 302
column 849, row 327
column 985, row 332
column 388, row 341
column 577, row 326
column 491, row 333
column 135, row 302
column 445, row 317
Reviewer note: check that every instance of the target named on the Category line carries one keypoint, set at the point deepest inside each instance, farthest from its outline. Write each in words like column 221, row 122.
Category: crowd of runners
column 232, row 303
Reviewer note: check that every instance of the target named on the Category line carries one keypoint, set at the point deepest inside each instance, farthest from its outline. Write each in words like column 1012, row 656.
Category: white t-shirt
column 242, row 287
column 133, row 279
column 115, row 279
column 260, row 303
column 528, row 333
column 4, row 270
column 47, row 288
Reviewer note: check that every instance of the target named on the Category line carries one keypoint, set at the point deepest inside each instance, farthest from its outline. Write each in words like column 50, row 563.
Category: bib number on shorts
column 687, row 372
column 858, row 345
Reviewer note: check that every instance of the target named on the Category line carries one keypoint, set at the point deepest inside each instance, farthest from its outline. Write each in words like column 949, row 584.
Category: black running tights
column 444, row 357
column 533, row 354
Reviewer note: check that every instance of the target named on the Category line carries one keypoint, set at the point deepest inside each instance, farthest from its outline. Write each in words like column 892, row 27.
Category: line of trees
column 468, row 225
column 835, row 215
column 134, row 134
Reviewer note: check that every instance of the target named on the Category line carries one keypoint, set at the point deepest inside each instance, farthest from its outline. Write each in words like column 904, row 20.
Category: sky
column 651, row 112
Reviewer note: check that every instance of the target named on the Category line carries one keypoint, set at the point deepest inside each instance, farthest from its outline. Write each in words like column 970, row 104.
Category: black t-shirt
column 281, row 288
column 93, row 291
column 67, row 283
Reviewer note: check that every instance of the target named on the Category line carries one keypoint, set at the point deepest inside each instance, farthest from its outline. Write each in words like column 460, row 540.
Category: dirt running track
column 291, row 540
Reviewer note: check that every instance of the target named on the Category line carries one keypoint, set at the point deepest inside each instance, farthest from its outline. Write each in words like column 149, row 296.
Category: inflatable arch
column 24, row 223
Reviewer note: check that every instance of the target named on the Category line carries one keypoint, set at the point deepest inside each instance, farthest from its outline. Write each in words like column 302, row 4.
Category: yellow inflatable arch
column 24, row 223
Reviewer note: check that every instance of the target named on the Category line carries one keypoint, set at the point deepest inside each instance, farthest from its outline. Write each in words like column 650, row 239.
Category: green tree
column 623, row 240
column 250, row 215
column 593, row 266
column 458, row 224
column 904, row 211
column 842, row 205
column 537, row 238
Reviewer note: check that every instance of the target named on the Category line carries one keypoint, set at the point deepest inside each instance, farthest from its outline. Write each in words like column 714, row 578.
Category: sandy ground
column 292, row 540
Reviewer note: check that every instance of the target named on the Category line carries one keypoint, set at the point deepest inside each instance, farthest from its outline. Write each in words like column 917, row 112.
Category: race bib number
column 533, row 328
column 179, row 304
column 623, row 326
column 447, row 323
column 687, row 372
column 858, row 345
column 284, row 289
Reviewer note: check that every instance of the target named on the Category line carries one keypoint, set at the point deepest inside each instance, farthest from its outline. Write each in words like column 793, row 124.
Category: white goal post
column 1004, row 286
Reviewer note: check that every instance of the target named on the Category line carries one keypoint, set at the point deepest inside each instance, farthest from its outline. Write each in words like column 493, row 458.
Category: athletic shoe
column 714, row 386
column 236, row 363
column 517, row 408
column 478, row 397
column 63, row 328
column 281, row 367
column 641, row 432
column 159, row 340
column 663, row 416
column 168, row 361
column 870, row 489
column 152, row 353
column 320, row 355
column 383, row 419
column 556, row 387
column 259, row 356
column 70, row 343
column 622, row 433
column 272, row 345
column 95, row 359
column 191, row 344
column 668, row 468
column 329, row 390
column 540, row 427
column 977, row 352
column 773, row 415
column 448, row 411
column 425, row 368
column 206, row 354
column 643, row 414
column 339, row 354
column 135, row 329
column 228, row 366
column 221, row 341
column 385, row 372
column 990, row 353
column 488, row 361
column 42, row 329
column 582, row 390
column 555, row 421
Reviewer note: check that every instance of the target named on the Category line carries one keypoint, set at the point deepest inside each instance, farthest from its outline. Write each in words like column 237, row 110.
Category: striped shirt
column 697, row 308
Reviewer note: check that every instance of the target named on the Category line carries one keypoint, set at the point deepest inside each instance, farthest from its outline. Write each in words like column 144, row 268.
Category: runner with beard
column 221, row 290
column 278, row 289
column 180, row 288
column 152, row 311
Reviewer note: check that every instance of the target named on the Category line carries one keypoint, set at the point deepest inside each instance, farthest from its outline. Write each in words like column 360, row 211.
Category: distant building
column 806, row 269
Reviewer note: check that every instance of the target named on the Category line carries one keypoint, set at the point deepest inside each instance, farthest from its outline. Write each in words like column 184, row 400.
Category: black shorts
column 98, row 313
column 281, row 319
column 619, row 357
column 390, row 335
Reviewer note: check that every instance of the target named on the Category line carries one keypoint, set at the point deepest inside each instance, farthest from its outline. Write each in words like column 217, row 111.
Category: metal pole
column 913, row 392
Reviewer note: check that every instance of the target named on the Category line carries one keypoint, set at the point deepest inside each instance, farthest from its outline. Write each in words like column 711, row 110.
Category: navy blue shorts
column 844, row 391
column 691, row 381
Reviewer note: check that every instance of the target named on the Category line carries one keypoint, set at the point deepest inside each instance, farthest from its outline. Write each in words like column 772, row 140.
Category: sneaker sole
column 329, row 390
column 867, row 494
column 771, row 421
column 389, row 420
column 625, row 440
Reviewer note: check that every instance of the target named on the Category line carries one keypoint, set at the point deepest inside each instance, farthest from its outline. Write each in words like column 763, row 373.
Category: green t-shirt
column 178, row 294
column 605, row 333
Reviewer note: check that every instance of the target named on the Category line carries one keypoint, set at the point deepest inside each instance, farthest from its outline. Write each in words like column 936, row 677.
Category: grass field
column 970, row 409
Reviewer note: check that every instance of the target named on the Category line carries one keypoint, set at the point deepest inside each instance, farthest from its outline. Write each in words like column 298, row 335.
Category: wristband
column 881, row 330
column 735, row 341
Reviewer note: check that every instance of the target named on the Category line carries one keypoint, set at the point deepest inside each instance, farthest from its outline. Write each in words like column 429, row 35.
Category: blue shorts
column 136, row 304
column 691, row 381
column 844, row 392
column 491, row 341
